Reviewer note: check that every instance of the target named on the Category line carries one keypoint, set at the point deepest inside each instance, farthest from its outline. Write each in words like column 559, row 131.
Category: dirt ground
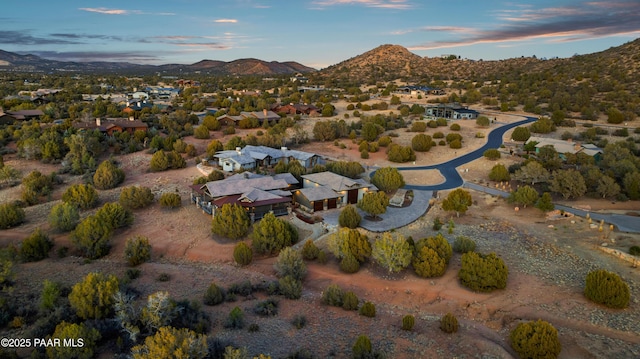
column 547, row 267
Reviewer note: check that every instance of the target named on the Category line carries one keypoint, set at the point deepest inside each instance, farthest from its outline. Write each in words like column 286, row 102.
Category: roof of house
column 299, row 155
column 291, row 179
column 236, row 199
column 254, row 195
column 241, row 159
column 336, row 182
column 288, row 177
column 465, row 110
column 262, row 152
column 226, row 188
column 319, row 193
column 563, row 146
column 243, row 175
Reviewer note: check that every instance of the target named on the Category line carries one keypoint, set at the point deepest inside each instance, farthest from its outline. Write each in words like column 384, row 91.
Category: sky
column 316, row 33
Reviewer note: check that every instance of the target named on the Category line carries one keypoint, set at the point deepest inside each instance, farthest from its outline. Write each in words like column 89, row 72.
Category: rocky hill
column 30, row 63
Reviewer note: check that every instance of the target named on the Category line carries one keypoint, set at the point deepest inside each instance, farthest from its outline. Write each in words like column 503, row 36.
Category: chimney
column 264, row 111
column 98, row 121
column 283, row 148
column 131, row 118
column 238, row 149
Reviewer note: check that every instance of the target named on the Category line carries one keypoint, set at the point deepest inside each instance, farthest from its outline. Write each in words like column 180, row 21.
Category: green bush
column 537, row 339
column 242, row 254
column 235, row 320
column 439, row 244
column 454, row 127
column 272, row 234
column 170, row 200
column 499, row 173
column 408, row 321
column 333, row 295
column 464, row 244
column 290, row 263
column 299, row 321
column 134, row 197
column 36, row 185
column 368, row 309
column 214, row 295
column 427, row 263
column 438, row 135
column 310, row 251
column 491, row 154
column 108, row 175
column 349, row 217
column 607, row 288
column 230, row 221
column 362, row 348
column 50, row 296
column 634, row 251
column 290, row 287
column 455, row 144
column 483, row 273
column 11, row 215
column 349, row 264
column 83, row 196
column 364, row 154
column 64, row 217
column 93, row 297
column 115, row 215
column 201, row 132
column 350, row 301
column 137, row 250
column 266, row 308
column 35, row 247
column 91, row 237
column 437, row 224
column 322, row 257
column 418, row 126
column 449, row 323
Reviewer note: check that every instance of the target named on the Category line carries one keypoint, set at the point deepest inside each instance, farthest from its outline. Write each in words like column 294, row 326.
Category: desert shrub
column 244, row 288
column 398, row 153
column 521, row 134
column 427, row 263
column 438, row 135
column 50, row 296
column 170, row 342
column 163, row 277
column 368, row 309
column 492, row 154
column 421, row 142
column 449, row 323
column 35, row 247
column 349, row 264
column 36, row 185
column 322, row 257
column 64, row 216
column 11, row 215
column 115, row 215
column 499, row 173
column 137, row 250
column 364, row 154
column 408, row 321
column 134, row 197
column 350, row 242
column 290, row 263
column 230, row 221
column 349, row 217
column 350, row 301
column 455, row 144
column 537, row 340
column 437, row 224
column 170, row 200
column 384, row 141
column 132, row 273
column 272, row 234
column 607, row 288
column 483, row 273
column 93, row 297
column 418, row 126
column 634, row 251
column 333, row 295
column 439, row 244
column 454, row 127
column 83, row 196
column 452, row 137
column 464, row 244
column 72, row 331
column 290, row 287
column 201, row 132
column 242, row 254
column 91, row 237
column 235, row 320
column 362, row 348
column 310, row 251
column 266, row 308
column 299, row 321
column 214, row 295
column 108, row 175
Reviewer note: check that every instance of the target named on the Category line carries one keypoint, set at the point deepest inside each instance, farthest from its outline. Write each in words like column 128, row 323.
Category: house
column 261, row 116
column 10, row 117
column 110, row 126
column 327, row 190
column 136, row 106
column 296, row 109
column 418, row 90
column 563, row 147
column 251, row 157
column 452, row 110
column 257, row 194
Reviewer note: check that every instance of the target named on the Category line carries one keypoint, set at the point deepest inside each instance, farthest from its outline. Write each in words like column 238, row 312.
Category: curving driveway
column 448, row 169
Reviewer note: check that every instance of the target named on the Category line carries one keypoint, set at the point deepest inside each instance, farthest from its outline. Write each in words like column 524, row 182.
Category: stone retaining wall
column 635, row 261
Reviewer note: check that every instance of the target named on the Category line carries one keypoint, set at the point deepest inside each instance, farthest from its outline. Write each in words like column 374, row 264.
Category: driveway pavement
column 394, row 217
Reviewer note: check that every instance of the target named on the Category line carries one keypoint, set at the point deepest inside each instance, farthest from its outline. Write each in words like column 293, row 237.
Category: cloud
column 104, row 10
column 555, row 24
column 88, row 56
column 87, row 36
column 107, row 11
column 24, row 38
column 386, row 4
column 229, row 21
column 200, row 46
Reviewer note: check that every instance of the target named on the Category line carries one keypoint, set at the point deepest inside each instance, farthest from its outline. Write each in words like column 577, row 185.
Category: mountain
column 31, row 63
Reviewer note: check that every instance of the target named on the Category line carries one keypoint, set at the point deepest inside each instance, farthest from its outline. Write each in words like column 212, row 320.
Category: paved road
column 623, row 222
column 448, row 169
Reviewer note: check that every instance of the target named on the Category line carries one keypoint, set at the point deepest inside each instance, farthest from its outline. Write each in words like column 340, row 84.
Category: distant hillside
column 30, row 63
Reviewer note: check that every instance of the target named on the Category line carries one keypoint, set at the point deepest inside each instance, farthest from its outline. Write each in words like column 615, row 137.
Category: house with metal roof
column 453, row 111
column 251, row 157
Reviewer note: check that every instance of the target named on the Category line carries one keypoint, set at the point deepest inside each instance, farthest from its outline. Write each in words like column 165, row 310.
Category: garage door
column 318, row 206
column 333, row 203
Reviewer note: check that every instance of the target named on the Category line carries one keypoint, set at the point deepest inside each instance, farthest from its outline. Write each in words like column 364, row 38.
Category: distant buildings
column 453, row 111
column 111, row 126
column 11, row 117
column 252, row 157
